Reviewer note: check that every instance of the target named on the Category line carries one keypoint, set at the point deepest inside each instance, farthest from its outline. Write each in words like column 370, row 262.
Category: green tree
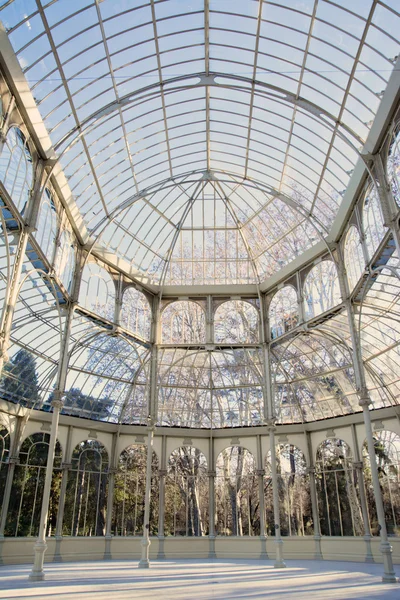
column 19, row 382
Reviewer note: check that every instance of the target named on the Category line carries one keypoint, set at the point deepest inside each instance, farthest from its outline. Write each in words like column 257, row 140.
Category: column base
column 57, row 553
column 211, row 549
column 318, row 552
column 144, row 562
column 37, row 573
column 368, row 556
column 264, row 553
column 279, row 562
column 107, row 551
column 389, row 576
column 161, row 553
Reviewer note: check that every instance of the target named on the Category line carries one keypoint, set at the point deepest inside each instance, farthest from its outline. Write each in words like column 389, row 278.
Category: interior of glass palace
column 199, row 287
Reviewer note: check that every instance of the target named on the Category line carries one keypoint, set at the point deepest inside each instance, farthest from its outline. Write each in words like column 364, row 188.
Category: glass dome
column 205, row 142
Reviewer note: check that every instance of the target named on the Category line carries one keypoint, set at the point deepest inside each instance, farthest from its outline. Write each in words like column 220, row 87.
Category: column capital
column 271, row 425
column 260, row 472
column 310, row 470
column 364, row 398
column 113, row 470
column 13, row 460
column 58, row 399
column 211, row 473
column 162, row 472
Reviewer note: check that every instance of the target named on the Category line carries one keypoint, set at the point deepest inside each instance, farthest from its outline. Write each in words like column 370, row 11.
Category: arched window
column 236, row 322
column 321, row 289
column 183, row 322
column 86, row 494
column 186, row 493
column 46, row 232
column 16, row 170
column 129, row 493
column 337, row 490
column 374, row 228
column 236, row 493
column 65, row 260
column 393, row 166
column 25, row 506
column 136, row 313
column 353, row 257
column 293, row 490
column 4, row 456
column 387, row 454
column 97, row 291
column 283, row 311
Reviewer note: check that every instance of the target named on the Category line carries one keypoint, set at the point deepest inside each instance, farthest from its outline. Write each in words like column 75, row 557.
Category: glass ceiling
column 206, row 141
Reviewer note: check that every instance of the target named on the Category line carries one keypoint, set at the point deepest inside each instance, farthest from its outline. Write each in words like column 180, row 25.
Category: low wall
column 67, row 549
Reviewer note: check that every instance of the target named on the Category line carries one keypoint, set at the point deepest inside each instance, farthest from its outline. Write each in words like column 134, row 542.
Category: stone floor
column 206, row 579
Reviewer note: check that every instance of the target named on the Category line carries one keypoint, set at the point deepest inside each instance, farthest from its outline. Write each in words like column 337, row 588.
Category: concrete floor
column 205, row 579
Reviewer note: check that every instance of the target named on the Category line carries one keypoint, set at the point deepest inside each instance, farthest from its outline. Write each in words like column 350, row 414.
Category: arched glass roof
column 214, row 138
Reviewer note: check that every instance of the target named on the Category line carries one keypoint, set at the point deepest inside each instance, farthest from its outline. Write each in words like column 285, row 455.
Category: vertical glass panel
column 186, row 493
column 236, row 493
column 283, row 311
column 353, row 257
column 374, row 229
column 129, row 493
column 86, row 493
column 136, row 313
column 97, row 291
column 337, row 490
column 46, row 231
column 321, row 289
column 236, row 322
column 183, row 322
column 25, row 506
column 16, row 171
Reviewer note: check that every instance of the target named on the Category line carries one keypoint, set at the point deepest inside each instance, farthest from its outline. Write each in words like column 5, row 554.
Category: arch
column 183, row 322
column 353, row 257
column 293, row 491
column 186, row 493
column 24, row 510
column 210, row 389
column 129, row 492
column 283, row 311
column 236, row 322
column 393, row 165
column 47, row 225
column 321, row 289
column 337, row 490
column 86, row 491
column 236, row 493
column 136, row 313
column 16, row 169
column 313, row 378
column 373, row 222
column 387, row 454
column 114, row 368
column 97, row 291
column 65, row 262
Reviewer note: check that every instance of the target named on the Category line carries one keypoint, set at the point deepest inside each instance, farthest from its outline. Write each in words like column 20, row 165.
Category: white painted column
column 365, row 402
column 66, row 466
column 144, row 562
column 40, row 547
column 314, row 499
column 211, row 498
column 110, row 496
column 260, row 475
column 279, row 562
column 162, row 473
column 358, row 467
